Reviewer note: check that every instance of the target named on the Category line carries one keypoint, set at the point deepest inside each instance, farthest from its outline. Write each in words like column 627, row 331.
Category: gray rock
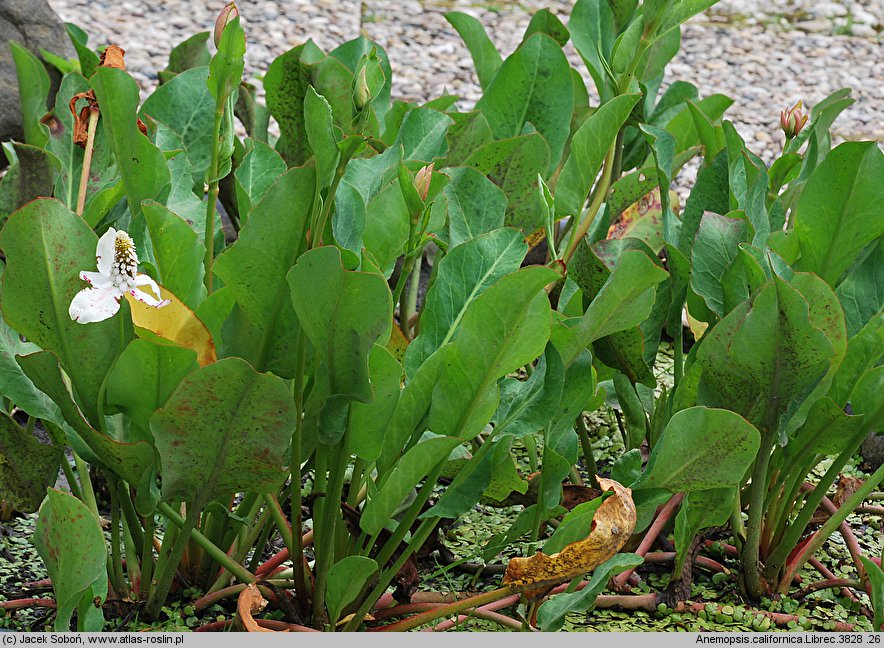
column 873, row 450
column 33, row 24
column 829, row 10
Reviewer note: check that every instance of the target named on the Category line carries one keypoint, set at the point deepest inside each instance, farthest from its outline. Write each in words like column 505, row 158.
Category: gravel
column 765, row 55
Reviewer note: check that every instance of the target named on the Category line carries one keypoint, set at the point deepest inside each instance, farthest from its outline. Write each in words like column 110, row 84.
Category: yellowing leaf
column 612, row 525
column 175, row 322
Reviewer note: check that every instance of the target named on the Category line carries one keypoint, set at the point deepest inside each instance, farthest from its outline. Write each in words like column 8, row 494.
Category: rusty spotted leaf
column 113, row 57
column 612, row 525
column 644, row 220
column 251, row 602
column 175, row 322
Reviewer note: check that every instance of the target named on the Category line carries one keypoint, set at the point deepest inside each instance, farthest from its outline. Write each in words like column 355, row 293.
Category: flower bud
column 422, row 180
column 228, row 13
column 792, row 120
column 362, row 95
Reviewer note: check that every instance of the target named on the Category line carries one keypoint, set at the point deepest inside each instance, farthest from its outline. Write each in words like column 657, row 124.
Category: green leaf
column 700, row 510
column 714, row 249
column 386, row 227
column 472, row 480
column 186, row 106
column 46, row 246
column 15, row 385
column 546, row 22
column 502, row 330
column 700, row 449
column 474, row 205
column 319, row 124
column 592, row 31
column 468, row 132
column 575, row 526
column 710, row 193
column 486, row 58
column 876, row 582
column 29, row 176
column 89, row 60
column 682, row 125
column 764, row 357
column 346, row 578
column 532, row 86
column 33, row 92
column 827, row 430
column 351, row 53
column 224, row 429
column 69, row 539
column 407, row 472
column 551, row 614
column 626, row 46
column 623, row 301
column 838, row 214
column 129, row 457
column 589, row 146
column 864, row 351
column 369, row 421
column 259, row 168
column 144, row 376
column 527, row 406
column 262, row 328
column 513, row 165
column 141, row 164
column 462, row 276
column 286, row 83
column 225, row 68
column 408, row 420
column 178, row 253
column 343, row 313
column 422, row 134
column 190, row 53
column 27, row 466
column 862, row 292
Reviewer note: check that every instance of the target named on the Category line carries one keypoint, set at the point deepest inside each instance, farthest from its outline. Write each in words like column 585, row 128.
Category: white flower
column 116, row 276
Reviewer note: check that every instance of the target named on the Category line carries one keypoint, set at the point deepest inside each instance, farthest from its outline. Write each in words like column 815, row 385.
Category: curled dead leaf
column 113, row 57
column 249, row 603
column 81, row 120
column 612, row 525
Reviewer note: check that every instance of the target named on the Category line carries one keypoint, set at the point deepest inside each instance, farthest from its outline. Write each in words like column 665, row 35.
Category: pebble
column 794, row 50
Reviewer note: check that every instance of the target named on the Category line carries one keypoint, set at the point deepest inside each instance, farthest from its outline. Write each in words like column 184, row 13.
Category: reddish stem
column 481, row 613
column 276, row 560
column 829, row 583
column 270, row 624
column 648, row 541
column 18, row 604
column 825, row 571
column 702, row 561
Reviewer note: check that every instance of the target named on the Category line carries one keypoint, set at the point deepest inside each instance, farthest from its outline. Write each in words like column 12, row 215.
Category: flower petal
column 146, row 280
column 94, row 305
column 104, row 252
column 142, row 296
column 96, row 279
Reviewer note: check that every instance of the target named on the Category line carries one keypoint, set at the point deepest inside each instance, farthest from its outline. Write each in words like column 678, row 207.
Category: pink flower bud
column 792, row 120
column 422, row 180
column 228, row 13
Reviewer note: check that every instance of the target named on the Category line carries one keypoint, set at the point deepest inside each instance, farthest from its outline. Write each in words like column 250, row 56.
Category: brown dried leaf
column 81, row 120
column 612, row 525
column 847, row 486
column 113, row 57
column 251, row 602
